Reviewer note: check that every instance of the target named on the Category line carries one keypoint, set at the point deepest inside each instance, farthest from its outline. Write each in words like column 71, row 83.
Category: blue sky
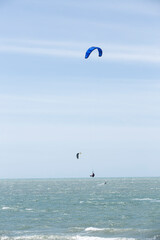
column 54, row 103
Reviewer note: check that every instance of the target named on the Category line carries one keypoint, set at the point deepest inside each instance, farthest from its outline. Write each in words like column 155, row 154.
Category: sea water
column 80, row 209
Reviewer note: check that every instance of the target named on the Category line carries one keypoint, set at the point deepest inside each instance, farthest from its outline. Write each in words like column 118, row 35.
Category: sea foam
column 57, row 237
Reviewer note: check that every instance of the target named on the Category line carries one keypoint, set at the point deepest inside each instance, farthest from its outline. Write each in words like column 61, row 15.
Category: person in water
column 92, row 175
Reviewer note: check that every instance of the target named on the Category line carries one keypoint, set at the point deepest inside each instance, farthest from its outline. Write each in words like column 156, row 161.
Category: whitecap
column 142, row 199
column 147, row 199
column 6, row 208
column 99, row 238
column 55, row 237
column 111, row 230
column 94, row 229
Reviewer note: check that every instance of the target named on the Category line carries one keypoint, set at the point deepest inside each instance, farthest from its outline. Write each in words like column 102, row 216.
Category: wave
column 16, row 209
column 94, row 229
column 57, row 237
column 99, row 238
column 147, row 199
column 8, row 208
column 115, row 230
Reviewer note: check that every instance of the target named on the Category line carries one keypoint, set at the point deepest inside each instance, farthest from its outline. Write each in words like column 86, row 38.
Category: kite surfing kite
column 77, row 155
column 92, row 49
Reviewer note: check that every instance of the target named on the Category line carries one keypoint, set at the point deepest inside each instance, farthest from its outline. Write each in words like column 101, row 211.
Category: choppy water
column 80, row 209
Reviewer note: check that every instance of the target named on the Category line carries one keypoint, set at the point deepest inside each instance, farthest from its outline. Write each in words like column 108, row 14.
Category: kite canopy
column 92, row 49
column 77, row 155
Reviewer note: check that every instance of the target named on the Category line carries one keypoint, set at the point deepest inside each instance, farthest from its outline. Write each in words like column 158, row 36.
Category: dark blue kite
column 92, row 49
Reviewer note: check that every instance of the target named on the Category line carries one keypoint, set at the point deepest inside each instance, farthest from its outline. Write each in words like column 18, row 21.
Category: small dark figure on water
column 92, row 175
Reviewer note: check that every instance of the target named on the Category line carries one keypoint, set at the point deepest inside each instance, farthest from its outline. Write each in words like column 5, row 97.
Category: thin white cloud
column 40, row 51
column 112, row 105
column 150, row 8
column 130, row 53
column 145, row 7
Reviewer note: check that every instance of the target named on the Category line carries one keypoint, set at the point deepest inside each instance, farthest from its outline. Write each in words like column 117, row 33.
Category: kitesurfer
column 92, row 175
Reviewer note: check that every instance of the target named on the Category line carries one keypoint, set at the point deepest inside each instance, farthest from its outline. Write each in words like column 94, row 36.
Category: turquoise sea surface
column 80, row 209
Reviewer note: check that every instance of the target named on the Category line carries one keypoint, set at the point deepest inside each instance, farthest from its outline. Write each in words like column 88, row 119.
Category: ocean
column 80, row 209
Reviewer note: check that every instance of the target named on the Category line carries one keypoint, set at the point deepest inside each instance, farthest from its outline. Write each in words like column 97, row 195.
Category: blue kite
column 92, row 49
